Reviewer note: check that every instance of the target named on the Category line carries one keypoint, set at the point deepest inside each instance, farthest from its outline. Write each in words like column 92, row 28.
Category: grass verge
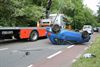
column 90, row 62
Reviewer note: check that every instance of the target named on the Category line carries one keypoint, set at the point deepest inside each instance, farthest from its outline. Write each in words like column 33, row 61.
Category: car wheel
column 33, row 36
column 85, row 34
column 56, row 28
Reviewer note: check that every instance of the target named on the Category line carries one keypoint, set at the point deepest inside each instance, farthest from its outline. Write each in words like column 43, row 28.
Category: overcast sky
column 92, row 4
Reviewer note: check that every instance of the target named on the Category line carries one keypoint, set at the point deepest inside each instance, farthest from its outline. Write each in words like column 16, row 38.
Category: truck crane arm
column 48, row 7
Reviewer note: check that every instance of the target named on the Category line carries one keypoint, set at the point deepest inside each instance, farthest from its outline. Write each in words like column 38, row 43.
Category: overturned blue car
column 62, row 36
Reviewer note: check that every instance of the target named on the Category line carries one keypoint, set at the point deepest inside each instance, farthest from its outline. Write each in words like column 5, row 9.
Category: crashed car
column 62, row 36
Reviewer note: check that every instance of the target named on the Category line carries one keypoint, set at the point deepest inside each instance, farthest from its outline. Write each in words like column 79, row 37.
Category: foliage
column 20, row 12
column 17, row 12
column 90, row 62
column 26, row 10
column 82, row 15
column 6, row 12
column 98, row 16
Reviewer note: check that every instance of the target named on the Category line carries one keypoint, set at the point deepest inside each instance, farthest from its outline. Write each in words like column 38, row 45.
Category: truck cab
column 45, row 22
column 54, row 19
column 58, row 19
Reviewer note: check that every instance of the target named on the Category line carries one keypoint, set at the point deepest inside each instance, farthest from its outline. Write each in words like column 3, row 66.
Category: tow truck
column 54, row 19
column 30, row 33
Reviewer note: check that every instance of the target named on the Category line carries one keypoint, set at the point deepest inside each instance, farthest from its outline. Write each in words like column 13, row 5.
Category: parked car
column 88, row 28
column 95, row 29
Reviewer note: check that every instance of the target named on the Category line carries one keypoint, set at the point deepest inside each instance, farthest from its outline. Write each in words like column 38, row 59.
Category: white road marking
column 70, row 46
column 4, row 49
column 74, row 61
column 91, row 42
column 78, row 56
column 86, row 48
column 30, row 65
column 51, row 56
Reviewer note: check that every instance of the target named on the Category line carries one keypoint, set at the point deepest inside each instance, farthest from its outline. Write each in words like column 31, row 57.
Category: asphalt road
column 40, row 53
column 13, row 52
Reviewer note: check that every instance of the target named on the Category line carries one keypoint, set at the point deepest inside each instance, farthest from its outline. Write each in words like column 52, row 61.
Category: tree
column 21, row 12
column 15, row 12
column 82, row 15
column 6, row 11
column 98, row 16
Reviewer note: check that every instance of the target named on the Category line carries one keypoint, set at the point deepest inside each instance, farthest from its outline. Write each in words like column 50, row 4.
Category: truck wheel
column 33, row 36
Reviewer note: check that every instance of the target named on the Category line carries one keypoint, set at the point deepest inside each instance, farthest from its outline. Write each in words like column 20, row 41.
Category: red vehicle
column 30, row 33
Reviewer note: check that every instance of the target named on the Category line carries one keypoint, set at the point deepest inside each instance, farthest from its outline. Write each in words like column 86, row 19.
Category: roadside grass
column 90, row 62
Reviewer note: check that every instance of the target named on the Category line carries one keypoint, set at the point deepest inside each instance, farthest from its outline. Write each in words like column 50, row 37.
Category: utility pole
column 48, row 8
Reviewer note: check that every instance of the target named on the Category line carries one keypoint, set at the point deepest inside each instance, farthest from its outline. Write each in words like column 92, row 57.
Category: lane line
column 70, row 46
column 78, row 56
column 30, row 65
column 53, row 55
column 4, row 49
column 91, row 42
column 86, row 48
column 74, row 60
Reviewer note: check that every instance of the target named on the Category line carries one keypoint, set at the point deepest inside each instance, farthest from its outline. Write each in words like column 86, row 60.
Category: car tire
column 56, row 28
column 85, row 34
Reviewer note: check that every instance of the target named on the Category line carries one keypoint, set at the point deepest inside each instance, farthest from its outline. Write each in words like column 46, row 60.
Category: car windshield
column 87, row 27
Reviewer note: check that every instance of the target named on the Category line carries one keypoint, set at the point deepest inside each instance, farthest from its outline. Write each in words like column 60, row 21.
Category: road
column 40, row 53
column 12, row 53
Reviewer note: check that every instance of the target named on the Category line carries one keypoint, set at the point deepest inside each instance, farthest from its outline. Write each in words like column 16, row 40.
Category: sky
column 92, row 4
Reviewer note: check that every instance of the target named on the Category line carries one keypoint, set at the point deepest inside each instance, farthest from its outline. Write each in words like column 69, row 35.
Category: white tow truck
column 54, row 19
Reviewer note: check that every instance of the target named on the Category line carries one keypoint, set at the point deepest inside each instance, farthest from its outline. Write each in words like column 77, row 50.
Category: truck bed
column 21, row 32
column 17, row 28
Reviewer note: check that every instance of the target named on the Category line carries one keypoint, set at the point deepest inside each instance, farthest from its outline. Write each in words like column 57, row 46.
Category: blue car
column 62, row 36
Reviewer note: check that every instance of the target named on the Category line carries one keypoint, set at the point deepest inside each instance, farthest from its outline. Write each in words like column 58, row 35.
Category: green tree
column 82, row 15
column 21, row 12
column 26, row 10
column 98, row 16
column 6, row 11
column 17, row 12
